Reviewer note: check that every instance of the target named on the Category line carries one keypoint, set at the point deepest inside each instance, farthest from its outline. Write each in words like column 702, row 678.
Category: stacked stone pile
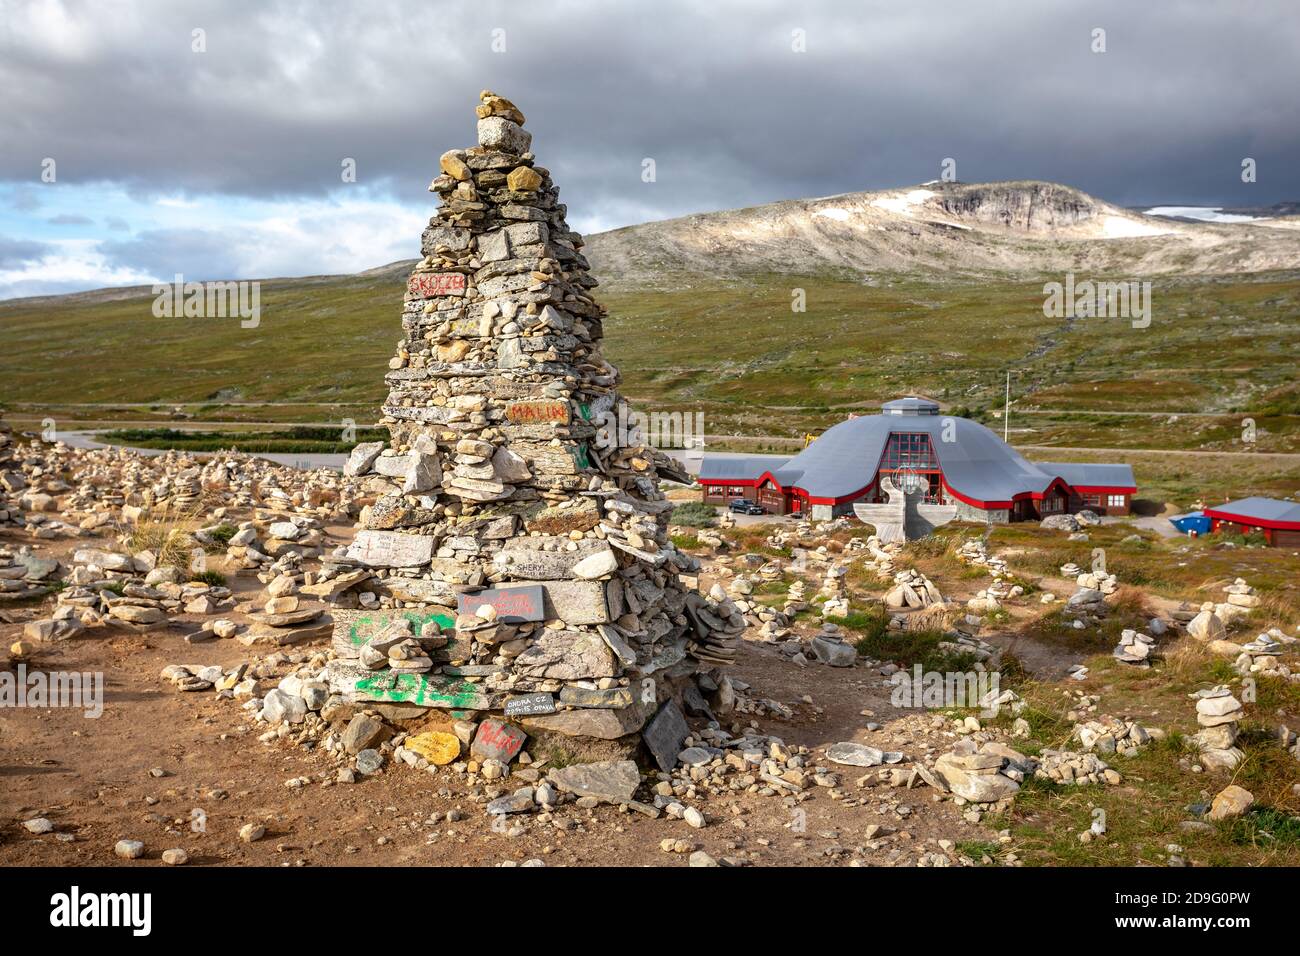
column 992, row 773
column 1134, row 647
column 109, row 588
column 912, row 589
column 984, row 601
column 101, row 487
column 741, row 586
column 1086, row 606
column 262, row 545
column 1098, row 581
column 1241, row 600
column 1218, row 714
column 1207, row 626
column 1263, row 655
column 833, row 581
column 882, row 556
column 765, row 624
column 975, row 551
column 796, row 599
column 24, row 573
column 1079, row 769
column 830, row 647
column 708, row 538
column 284, row 613
column 958, row 642
column 1003, row 590
column 1111, row 735
column 974, row 773
column 502, row 473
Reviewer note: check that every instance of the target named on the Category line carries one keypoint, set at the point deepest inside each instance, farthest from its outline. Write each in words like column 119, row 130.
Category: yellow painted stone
column 523, row 179
column 434, row 746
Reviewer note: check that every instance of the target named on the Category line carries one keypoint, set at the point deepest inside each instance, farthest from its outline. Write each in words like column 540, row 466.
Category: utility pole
column 1006, row 410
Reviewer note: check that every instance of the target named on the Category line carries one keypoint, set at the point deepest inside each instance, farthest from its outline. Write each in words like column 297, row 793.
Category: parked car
column 741, row 506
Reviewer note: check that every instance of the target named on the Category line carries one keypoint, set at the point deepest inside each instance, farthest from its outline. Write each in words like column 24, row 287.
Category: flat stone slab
column 614, row 697
column 495, row 740
column 352, row 629
column 529, row 705
column 665, row 734
column 573, row 602
column 566, row 655
column 534, row 412
column 354, row 682
column 514, row 604
column 434, row 746
column 285, row 636
column 390, row 549
column 590, row 722
column 541, row 560
column 610, row 781
column 422, row 591
column 288, row 618
column 855, row 755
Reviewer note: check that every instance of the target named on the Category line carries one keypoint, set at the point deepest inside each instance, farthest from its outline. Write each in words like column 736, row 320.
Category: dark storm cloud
column 200, row 255
column 712, row 92
column 17, row 252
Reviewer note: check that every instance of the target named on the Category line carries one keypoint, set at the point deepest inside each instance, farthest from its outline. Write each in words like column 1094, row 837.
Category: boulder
column 1231, row 801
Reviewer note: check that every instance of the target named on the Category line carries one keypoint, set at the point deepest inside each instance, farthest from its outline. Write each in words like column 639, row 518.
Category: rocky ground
column 211, row 749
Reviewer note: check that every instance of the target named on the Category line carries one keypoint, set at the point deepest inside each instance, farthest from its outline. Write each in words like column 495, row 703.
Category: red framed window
column 910, row 456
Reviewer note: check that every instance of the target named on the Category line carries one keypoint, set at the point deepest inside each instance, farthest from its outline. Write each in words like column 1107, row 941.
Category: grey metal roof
column 1090, row 475
column 911, row 405
column 976, row 463
column 1267, row 509
column 739, row 467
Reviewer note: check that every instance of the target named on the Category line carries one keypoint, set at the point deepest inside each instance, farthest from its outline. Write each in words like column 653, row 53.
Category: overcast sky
column 226, row 162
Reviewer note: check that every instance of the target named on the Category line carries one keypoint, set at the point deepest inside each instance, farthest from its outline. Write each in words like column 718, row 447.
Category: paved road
column 183, row 425
column 1283, row 455
column 295, row 460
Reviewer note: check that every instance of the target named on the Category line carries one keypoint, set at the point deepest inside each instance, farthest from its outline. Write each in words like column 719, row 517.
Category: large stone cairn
column 499, row 474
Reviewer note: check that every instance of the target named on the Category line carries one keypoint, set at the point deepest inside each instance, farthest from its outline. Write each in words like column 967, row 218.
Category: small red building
column 1278, row 520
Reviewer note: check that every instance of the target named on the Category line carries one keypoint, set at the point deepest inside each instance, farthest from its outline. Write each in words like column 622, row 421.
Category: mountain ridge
column 1014, row 228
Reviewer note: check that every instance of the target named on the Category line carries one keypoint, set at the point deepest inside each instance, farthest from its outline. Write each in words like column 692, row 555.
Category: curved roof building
column 936, row 458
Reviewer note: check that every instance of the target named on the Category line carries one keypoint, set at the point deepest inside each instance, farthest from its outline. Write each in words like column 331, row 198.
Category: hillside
column 936, row 290
column 944, row 230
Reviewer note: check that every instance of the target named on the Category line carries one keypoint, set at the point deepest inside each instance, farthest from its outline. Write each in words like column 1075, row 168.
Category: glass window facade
column 910, row 459
column 906, row 450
